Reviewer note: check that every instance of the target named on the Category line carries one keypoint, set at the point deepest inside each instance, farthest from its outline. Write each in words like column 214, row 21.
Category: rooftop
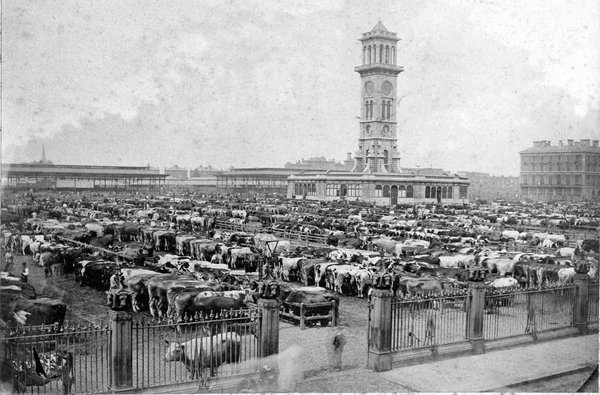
column 545, row 146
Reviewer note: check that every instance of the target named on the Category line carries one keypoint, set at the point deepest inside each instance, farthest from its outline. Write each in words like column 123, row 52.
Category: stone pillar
column 580, row 310
column 122, row 361
column 269, row 328
column 380, row 331
column 475, row 318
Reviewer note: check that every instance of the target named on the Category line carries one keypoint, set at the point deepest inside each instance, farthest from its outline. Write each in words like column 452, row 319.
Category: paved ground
column 496, row 371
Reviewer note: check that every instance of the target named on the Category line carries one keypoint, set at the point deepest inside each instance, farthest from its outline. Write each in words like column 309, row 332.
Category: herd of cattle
column 178, row 263
column 421, row 250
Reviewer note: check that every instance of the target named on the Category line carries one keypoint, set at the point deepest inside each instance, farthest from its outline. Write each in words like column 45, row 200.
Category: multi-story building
column 376, row 175
column 488, row 187
column 567, row 172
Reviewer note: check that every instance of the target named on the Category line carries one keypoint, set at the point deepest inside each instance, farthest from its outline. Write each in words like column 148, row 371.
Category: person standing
column 9, row 261
column 24, row 273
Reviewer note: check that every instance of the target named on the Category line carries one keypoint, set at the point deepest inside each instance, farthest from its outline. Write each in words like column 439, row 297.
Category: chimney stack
column 570, row 142
column 349, row 155
column 585, row 142
column 560, row 143
column 594, row 143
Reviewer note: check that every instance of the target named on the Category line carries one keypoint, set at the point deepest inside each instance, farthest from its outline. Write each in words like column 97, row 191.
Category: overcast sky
column 260, row 83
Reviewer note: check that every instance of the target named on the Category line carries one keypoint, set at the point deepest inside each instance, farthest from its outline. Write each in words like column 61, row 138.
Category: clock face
column 369, row 88
column 386, row 88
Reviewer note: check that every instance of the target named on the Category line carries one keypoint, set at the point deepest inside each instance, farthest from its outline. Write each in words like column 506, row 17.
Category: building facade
column 376, row 175
column 562, row 172
column 488, row 187
column 319, row 163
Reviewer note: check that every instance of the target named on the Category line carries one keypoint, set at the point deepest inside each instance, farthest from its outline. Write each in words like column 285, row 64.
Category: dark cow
column 189, row 306
column 11, row 288
column 44, row 311
column 158, row 287
column 205, row 352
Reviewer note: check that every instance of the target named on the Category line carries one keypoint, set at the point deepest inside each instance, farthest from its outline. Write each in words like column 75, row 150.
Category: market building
column 562, row 172
column 376, row 175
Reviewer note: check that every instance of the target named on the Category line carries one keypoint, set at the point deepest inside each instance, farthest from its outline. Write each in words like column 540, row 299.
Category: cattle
column 205, row 352
column 568, row 252
column 158, row 287
column 502, row 266
column 289, row 267
column 44, row 311
column 205, row 304
column 307, row 270
column 244, row 254
column 33, row 369
column 363, row 280
column 457, row 261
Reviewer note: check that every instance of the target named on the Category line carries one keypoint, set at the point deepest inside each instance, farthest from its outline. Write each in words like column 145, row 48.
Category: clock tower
column 377, row 142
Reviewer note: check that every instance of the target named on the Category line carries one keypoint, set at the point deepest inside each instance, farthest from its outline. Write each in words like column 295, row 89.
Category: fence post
column 269, row 330
column 580, row 310
column 122, row 360
column 380, row 331
column 475, row 318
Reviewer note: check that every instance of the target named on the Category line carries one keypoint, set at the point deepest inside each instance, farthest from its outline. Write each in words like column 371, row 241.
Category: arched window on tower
column 371, row 109
column 389, row 111
column 383, row 108
column 364, row 55
column 369, row 53
column 367, row 109
column 374, row 53
column 381, row 53
column 394, row 55
column 387, row 54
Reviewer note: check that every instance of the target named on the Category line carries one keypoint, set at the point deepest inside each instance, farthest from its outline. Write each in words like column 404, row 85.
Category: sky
column 261, row 83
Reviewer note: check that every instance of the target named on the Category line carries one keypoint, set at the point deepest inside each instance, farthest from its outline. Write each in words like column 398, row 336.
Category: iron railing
column 151, row 369
column 426, row 322
column 83, row 352
column 519, row 311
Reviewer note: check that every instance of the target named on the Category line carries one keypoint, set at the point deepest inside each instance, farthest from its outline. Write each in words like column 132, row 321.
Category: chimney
column 585, row 142
column 570, row 142
column 594, row 143
column 538, row 143
column 560, row 143
column 349, row 155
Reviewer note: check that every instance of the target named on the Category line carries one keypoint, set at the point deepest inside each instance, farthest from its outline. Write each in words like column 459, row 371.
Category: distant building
column 319, row 163
column 563, row 172
column 488, row 187
column 177, row 172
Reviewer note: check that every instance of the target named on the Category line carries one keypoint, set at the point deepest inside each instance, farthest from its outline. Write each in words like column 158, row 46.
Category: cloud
column 260, row 84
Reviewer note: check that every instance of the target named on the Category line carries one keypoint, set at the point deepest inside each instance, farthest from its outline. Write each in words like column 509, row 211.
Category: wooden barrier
column 78, row 243
column 305, row 320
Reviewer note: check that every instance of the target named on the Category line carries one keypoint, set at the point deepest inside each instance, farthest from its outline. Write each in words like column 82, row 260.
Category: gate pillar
column 580, row 310
column 269, row 327
column 122, row 357
column 475, row 313
column 380, row 331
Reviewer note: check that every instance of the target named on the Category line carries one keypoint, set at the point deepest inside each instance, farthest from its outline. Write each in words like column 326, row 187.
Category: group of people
column 9, row 263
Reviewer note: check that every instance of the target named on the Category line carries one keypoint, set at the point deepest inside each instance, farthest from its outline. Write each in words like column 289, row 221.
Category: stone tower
column 377, row 142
